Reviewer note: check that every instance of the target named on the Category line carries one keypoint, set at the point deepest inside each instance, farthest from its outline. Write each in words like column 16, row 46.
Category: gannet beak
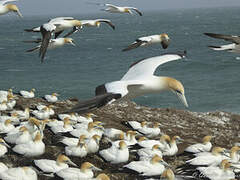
column 72, row 43
column 96, row 169
column 19, row 14
column 182, row 99
column 6, row 145
column 166, row 164
column 72, row 163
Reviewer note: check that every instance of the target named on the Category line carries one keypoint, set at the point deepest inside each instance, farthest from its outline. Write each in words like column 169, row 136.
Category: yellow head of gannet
column 143, row 123
column 87, row 166
column 176, row 87
column 76, row 23
column 32, row 90
column 165, row 138
column 90, row 115
column 7, row 122
column 23, row 129
column 164, row 36
column 176, row 139
column 168, row 174
column 55, row 94
column 102, row 176
column 218, row 150
column 96, row 138
column 157, row 159
column 38, row 137
column 69, row 41
column 64, row 159
column 66, row 122
column 98, row 23
column 121, row 136
column 142, row 139
column 81, row 140
column 233, row 151
column 122, row 145
column 126, row 10
column 14, row 8
column 206, row 139
column 156, row 147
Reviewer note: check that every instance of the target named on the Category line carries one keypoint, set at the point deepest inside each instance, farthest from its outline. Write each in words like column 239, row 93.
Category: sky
column 65, row 7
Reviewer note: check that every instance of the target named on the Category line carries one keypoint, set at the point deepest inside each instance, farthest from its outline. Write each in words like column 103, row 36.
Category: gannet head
column 32, row 90
column 77, row 23
column 143, row 123
column 164, row 36
column 168, row 174
column 90, row 115
column 176, row 139
column 233, row 151
column 206, row 139
column 55, row 94
column 102, row 176
column 69, row 41
column 156, row 147
column 64, row 159
column 7, row 122
column 66, row 122
column 157, row 159
column 14, row 8
column 177, row 88
column 96, row 138
column 88, row 166
column 38, row 137
column 122, row 145
column 121, row 136
column 82, row 139
column 23, row 129
column 218, row 150
column 98, row 23
column 142, row 139
column 165, row 138
column 126, row 10
column 156, row 125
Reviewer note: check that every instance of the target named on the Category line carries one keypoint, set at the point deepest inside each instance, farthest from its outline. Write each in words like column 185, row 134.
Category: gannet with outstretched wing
column 97, row 22
column 118, row 9
column 149, row 40
column 234, row 47
column 5, row 8
column 139, row 80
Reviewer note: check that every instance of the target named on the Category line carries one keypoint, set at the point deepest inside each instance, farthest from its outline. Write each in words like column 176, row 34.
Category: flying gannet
column 118, row 9
column 97, row 23
column 149, row 40
column 5, row 8
column 234, row 47
column 139, row 80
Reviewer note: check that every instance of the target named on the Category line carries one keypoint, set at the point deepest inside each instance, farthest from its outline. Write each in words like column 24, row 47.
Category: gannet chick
column 3, row 167
column 139, row 80
column 52, row 98
column 117, row 9
column 167, row 175
column 66, row 127
column 153, row 167
column 172, row 149
column 149, row 40
column 21, row 137
column 3, row 106
column 116, row 154
column 97, row 23
column 28, row 94
column 205, row 146
column 79, row 150
column 51, row 166
column 147, row 153
column 24, row 173
column 32, row 148
column 93, row 144
column 6, row 126
column 23, row 115
column 3, row 147
column 5, row 8
column 86, row 171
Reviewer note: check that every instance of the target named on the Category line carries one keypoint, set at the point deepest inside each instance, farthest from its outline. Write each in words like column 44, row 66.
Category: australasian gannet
column 97, row 23
column 5, row 8
column 139, row 80
column 234, row 47
column 149, row 40
column 118, row 9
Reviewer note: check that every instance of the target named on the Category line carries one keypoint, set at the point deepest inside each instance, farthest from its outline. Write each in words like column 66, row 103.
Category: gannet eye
column 177, row 91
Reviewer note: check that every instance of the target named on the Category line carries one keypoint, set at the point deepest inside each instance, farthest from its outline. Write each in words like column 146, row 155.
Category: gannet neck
column 206, row 139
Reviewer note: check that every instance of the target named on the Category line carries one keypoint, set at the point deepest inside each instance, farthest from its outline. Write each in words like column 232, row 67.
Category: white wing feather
column 6, row 1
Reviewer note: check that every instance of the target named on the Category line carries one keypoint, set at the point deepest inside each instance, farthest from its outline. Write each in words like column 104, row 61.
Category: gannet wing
column 146, row 67
column 107, row 21
column 135, row 9
column 111, row 6
column 6, row 1
column 75, row 29
column 231, row 38
column 60, row 18
column 135, row 45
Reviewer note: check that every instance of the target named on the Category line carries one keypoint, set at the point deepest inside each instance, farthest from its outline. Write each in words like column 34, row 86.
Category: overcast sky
column 48, row 7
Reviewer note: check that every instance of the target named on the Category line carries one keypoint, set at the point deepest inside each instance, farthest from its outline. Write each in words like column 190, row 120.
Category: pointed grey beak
column 166, row 164
column 72, row 43
column 72, row 163
column 6, row 145
column 19, row 14
column 96, row 169
column 182, row 99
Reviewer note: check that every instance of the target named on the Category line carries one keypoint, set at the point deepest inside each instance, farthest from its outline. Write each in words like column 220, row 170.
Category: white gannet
column 62, row 128
column 148, row 153
column 24, row 173
column 93, row 144
column 149, row 40
column 116, row 154
column 148, row 143
column 28, row 94
column 172, row 149
column 88, row 118
column 14, row 118
column 150, row 131
column 3, row 147
column 234, row 47
column 11, row 102
column 3, row 167
column 117, row 9
column 20, row 137
column 139, row 80
column 51, row 166
column 135, row 124
column 79, row 150
column 85, row 172
column 48, row 108
column 3, row 105
column 44, row 113
column 97, row 23
column 89, row 132
column 152, row 167
column 205, row 146
column 168, row 175
column 31, row 148
column 6, row 126
column 54, row 43
column 129, row 138
column 51, row 98
column 112, row 133
column 5, row 8
column 23, row 115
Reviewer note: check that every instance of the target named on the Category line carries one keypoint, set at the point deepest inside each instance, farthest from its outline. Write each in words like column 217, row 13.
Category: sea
column 211, row 78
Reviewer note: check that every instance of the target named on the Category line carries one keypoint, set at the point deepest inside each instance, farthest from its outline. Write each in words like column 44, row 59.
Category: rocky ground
column 190, row 126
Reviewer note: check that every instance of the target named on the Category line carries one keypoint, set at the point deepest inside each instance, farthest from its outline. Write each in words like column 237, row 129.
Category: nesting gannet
column 79, row 150
column 85, row 172
column 97, row 23
column 116, row 154
column 139, row 80
column 93, row 144
column 148, row 153
column 65, row 127
column 54, row 43
column 13, row 117
column 129, row 138
column 150, row 131
column 117, row 9
column 3, row 106
column 20, row 137
column 205, row 146
column 24, row 173
column 28, row 94
column 51, row 166
column 11, row 102
column 6, row 126
column 149, row 40
column 234, row 47
column 23, row 115
column 167, row 175
column 31, row 148
column 172, row 149
column 5, row 8
column 44, row 113
column 52, row 98
column 112, row 133
column 153, row 167
column 3, row 147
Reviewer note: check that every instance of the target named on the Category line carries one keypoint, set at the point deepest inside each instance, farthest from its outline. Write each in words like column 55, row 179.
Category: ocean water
column 210, row 78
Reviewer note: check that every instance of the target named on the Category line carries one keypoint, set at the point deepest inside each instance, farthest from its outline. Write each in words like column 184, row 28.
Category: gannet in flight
column 97, row 22
column 149, row 40
column 139, row 80
column 5, row 8
column 118, row 9
column 234, row 47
